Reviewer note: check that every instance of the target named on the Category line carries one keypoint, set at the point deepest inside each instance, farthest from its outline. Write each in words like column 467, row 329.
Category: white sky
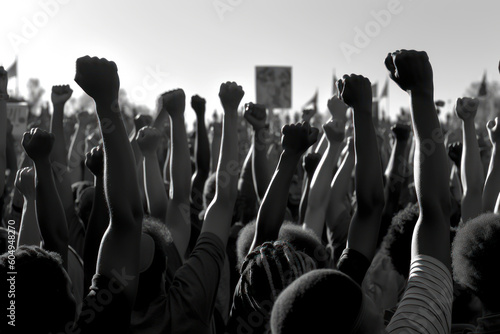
column 199, row 49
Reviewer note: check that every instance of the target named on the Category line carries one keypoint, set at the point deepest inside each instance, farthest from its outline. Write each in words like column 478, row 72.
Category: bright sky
column 193, row 45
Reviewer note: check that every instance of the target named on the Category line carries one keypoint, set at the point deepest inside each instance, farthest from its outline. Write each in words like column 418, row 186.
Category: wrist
column 422, row 93
column 291, row 155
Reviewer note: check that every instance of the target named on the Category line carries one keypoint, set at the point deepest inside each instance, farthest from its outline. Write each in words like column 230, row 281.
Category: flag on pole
column 312, row 102
column 483, row 91
column 12, row 70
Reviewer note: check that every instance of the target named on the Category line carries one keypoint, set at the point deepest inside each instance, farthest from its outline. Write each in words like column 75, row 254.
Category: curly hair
column 475, row 254
column 397, row 241
column 43, row 302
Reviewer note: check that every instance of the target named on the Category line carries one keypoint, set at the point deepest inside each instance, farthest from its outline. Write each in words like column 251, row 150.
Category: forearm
column 50, row 212
column 339, row 191
column 3, row 143
column 58, row 155
column 28, row 231
column 320, row 190
column 272, row 209
column 155, row 190
column 260, row 169
column 180, row 171
column 202, row 153
column 215, row 149
column 98, row 223
column 471, row 173
column 304, row 199
column 77, row 153
column 492, row 184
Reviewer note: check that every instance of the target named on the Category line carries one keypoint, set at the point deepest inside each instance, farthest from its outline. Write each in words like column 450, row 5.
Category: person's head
column 301, row 239
column 267, row 271
column 154, row 243
column 475, row 254
column 325, row 300
column 44, row 301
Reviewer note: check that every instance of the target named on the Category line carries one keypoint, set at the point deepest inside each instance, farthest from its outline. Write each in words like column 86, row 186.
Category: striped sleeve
column 426, row 304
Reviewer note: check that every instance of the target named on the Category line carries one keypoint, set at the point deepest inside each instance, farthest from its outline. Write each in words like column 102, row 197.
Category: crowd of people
column 119, row 225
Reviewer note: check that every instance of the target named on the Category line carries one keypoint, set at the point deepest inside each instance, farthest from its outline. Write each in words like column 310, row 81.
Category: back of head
column 43, row 301
column 475, row 255
column 267, row 271
column 320, row 301
column 162, row 240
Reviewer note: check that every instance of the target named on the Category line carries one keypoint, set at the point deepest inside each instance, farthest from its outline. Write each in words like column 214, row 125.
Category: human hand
column 493, row 131
column 410, row 70
column 334, row 131
column 337, row 108
column 99, row 78
column 174, row 102
column 198, row 104
column 148, row 139
column 307, row 114
column 466, row 108
column 455, row 152
column 256, row 115
column 38, row 143
column 60, row 94
column 311, row 161
column 230, row 95
column 94, row 160
column 297, row 138
column 401, row 131
column 356, row 92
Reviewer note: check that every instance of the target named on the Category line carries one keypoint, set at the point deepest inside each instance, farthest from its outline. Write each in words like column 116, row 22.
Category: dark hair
column 162, row 239
column 301, row 239
column 475, row 254
column 42, row 301
column 397, row 241
column 320, row 301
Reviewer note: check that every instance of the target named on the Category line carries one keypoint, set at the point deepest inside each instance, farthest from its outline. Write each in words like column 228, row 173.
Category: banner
column 17, row 113
column 274, row 86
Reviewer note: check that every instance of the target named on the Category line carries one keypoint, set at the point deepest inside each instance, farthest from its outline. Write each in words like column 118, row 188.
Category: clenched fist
column 174, row 102
column 466, row 108
column 148, row 139
column 455, row 153
column 297, row 138
column 307, row 114
column 198, row 104
column 60, row 94
column 38, row 143
column 356, row 92
column 411, row 70
column 256, row 115
column 98, row 77
column 337, row 108
column 25, row 182
column 230, row 95
column 494, row 131
column 401, row 131
column 94, row 160
column 334, row 131
column 311, row 161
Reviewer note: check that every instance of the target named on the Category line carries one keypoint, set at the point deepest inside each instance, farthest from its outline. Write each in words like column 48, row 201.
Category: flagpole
column 17, row 78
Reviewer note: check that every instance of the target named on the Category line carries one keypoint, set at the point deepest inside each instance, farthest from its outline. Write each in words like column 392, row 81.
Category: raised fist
column 98, row 77
column 466, row 108
column 297, row 138
column 94, row 160
column 401, row 131
column 455, row 153
column 25, row 182
column 307, row 114
column 198, row 104
column 4, row 79
column 141, row 121
column 334, row 130
column 494, row 131
column 411, row 70
column 174, row 102
column 337, row 108
column 60, row 94
column 356, row 92
column 83, row 118
column 148, row 139
column 230, row 95
column 38, row 143
column 256, row 115
column 311, row 161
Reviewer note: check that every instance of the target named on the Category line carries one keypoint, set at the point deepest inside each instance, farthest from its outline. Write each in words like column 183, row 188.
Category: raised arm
column 220, row 210
column 412, row 71
column 492, row 184
column 76, row 153
column 120, row 245
column 296, row 139
column 255, row 114
column 29, row 233
column 178, row 211
column 396, row 176
column 3, row 126
column 355, row 91
column 60, row 95
column 310, row 163
column 49, row 210
column 99, row 215
column 148, row 139
column 471, row 166
column 202, row 153
column 320, row 184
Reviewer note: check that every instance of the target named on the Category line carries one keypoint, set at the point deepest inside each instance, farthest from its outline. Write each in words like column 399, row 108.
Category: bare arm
column 29, row 233
column 492, row 184
column 311, row 162
column 3, row 126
